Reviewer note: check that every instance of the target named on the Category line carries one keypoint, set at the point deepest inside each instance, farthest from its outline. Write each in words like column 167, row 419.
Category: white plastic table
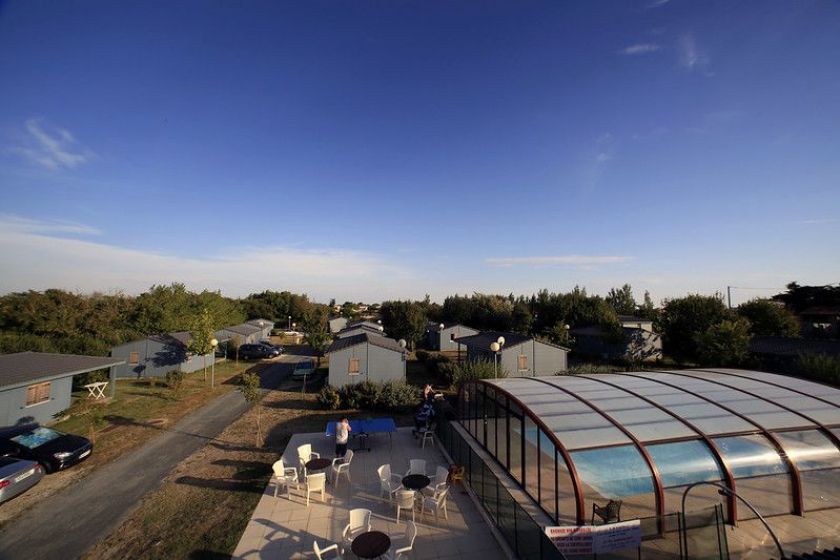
column 97, row 390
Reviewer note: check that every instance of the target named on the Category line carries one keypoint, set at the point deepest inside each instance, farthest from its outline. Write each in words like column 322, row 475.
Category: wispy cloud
column 53, row 148
column 640, row 48
column 45, row 255
column 558, row 260
column 692, row 56
column 656, row 4
column 19, row 224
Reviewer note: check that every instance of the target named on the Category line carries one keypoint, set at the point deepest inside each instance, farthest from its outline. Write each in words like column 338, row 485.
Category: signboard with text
column 596, row 539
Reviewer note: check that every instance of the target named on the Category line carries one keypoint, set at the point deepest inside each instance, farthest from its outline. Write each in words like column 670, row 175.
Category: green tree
column 683, row 319
column 317, row 331
column 769, row 318
column 725, row 343
column 250, row 389
column 404, row 319
column 647, row 310
column 622, row 300
column 201, row 334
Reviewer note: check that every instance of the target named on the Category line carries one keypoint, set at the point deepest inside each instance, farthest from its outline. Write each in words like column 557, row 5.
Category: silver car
column 17, row 476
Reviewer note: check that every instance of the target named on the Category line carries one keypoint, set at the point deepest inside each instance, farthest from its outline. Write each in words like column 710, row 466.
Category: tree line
column 62, row 321
column 695, row 328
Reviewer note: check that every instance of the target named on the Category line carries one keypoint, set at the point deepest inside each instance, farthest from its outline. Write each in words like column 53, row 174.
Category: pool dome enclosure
column 571, row 441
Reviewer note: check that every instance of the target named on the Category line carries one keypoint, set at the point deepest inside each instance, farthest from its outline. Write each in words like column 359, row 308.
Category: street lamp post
column 214, row 343
column 290, row 322
column 494, row 347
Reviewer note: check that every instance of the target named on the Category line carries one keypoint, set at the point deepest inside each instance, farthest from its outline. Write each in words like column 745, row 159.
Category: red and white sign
column 596, row 539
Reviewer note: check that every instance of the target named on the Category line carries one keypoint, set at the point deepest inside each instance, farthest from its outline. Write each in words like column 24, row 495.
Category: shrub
column 329, row 398
column 476, row 369
column 422, row 355
column 820, row 368
column 175, row 380
column 398, row 395
column 367, row 394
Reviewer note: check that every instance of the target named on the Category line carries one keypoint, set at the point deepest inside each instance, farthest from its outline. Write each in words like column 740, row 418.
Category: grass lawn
column 135, row 416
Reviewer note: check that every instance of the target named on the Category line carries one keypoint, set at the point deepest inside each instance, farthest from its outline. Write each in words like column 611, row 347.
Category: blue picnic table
column 364, row 428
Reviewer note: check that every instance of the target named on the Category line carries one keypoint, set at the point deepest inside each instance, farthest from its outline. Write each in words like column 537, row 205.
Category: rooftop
column 26, row 367
column 370, row 338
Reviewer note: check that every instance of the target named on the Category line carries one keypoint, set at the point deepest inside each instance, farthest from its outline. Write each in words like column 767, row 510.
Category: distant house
column 820, row 321
column 243, row 334
column 365, row 356
column 360, row 328
column 633, row 322
column 441, row 337
column 337, row 324
column 637, row 344
column 264, row 325
column 157, row 355
column 35, row 385
column 368, row 324
column 521, row 355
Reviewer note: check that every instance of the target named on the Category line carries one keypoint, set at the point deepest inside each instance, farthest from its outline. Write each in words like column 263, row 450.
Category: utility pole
column 729, row 296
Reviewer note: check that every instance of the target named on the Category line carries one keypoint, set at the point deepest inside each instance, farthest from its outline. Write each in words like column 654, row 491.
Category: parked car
column 304, row 369
column 54, row 450
column 268, row 344
column 17, row 476
column 256, row 352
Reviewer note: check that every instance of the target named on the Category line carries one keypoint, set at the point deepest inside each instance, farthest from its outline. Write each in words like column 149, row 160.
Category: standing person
column 428, row 392
column 342, row 435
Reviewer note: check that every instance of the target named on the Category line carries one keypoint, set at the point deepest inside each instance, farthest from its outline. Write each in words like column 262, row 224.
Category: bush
column 329, row 398
column 820, row 368
column 175, row 380
column 398, row 395
column 422, row 355
column 474, row 370
column 391, row 395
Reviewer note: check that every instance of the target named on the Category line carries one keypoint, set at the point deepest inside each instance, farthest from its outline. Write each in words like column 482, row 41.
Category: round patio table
column 317, row 464
column 416, row 481
column 371, row 544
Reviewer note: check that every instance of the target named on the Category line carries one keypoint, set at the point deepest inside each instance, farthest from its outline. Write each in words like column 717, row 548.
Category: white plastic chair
column 387, row 486
column 436, row 504
column 405, row 501
column 331, row 550
column 401, row 545
column 416, row 466
column 341, row 466
column 427, row 434
column 359, row 523
column 284, row 476
column 441, row 475
column 305, row 454
column 316, row 483
column 435, row 489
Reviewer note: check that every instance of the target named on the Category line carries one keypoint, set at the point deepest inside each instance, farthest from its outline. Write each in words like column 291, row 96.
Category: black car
column 268, row 344
column 53, row 449
column 256, row 352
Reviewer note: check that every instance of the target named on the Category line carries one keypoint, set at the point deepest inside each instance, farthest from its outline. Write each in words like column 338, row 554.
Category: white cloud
column 603, row 157
column 51, row 147
column 41, row 255
column 691, row 56
column 558, row 260
column 641, row 48
column 657, row 3
column 12, row 223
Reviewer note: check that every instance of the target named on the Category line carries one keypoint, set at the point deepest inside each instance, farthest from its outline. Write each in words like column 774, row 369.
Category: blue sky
column 369, row 150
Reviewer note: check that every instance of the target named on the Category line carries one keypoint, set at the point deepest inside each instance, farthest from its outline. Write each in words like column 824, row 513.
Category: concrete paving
column 66, row 524
column 285, row 528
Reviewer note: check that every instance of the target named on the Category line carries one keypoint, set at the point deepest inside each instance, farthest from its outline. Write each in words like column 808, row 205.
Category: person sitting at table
column 423, row 418
column 342, row 435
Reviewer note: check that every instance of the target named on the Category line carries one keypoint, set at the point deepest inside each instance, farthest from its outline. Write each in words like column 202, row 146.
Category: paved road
column 66, row 524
